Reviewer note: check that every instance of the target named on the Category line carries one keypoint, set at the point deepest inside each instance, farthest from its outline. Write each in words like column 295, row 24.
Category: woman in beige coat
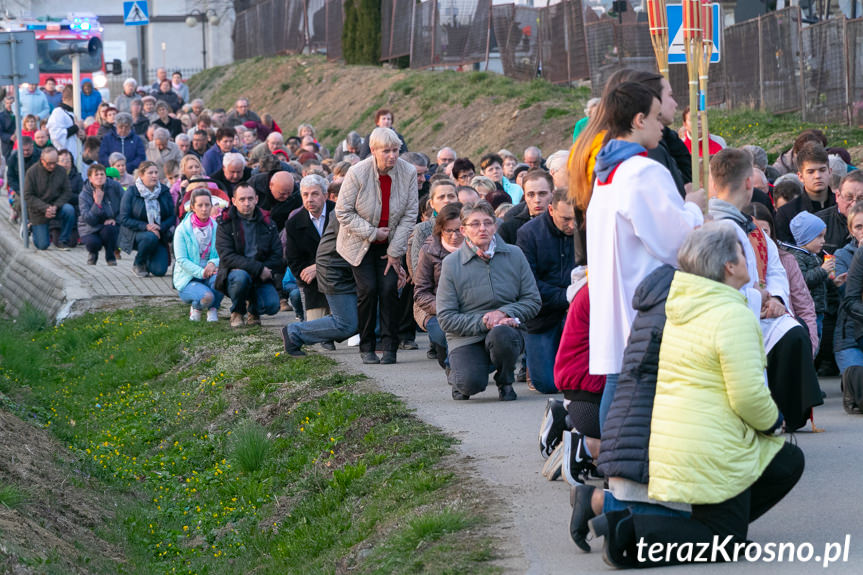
column 377, row 210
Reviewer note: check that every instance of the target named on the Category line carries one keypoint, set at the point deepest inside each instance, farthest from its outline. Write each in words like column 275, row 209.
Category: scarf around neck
column 151, row 201
column 203, row 232
column 483, row 255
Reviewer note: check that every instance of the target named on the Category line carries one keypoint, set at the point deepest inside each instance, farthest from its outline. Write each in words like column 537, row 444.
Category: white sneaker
column 212, row 314
column 194, row 314
column 354, row 340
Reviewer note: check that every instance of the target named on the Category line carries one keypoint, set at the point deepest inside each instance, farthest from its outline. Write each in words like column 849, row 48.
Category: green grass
column 228, row 454
column 776, row 132
column 12, row 496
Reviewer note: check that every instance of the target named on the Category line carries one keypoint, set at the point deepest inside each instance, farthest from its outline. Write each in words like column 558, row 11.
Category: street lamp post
column 208, row 17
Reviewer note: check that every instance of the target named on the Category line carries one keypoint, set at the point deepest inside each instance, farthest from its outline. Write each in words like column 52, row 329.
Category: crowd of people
column 696, row 339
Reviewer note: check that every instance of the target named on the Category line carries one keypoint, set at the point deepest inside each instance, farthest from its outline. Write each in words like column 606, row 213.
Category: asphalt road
column 500, row 439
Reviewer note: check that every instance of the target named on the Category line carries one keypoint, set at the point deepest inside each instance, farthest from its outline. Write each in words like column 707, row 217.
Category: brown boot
column 253, row 320
column 237, row 319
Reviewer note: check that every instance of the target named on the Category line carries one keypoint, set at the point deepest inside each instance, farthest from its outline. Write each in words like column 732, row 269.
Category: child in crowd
column 809, row 233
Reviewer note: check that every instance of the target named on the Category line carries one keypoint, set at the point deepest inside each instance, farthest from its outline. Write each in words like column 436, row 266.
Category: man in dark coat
column 31, row 158
column 277, row 194
column 234, row 171
column 303, row 233
column 538, row 187
column 49, row 197
column 814, row 172
column 547, row 243
column 250, row 253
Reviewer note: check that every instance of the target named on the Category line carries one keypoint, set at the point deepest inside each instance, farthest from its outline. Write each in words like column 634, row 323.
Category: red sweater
column 572, row 361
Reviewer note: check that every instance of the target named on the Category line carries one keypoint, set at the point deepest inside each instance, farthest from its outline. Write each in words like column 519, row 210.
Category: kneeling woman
column 486, row 291
column 711, row 433
column 445, row 239
column 146, row 219
column 197, row 262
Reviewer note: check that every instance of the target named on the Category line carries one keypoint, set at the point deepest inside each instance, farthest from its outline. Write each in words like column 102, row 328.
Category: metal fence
column 771, row 63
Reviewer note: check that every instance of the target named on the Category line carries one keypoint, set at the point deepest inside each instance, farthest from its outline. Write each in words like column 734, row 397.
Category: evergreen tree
column 361, row 34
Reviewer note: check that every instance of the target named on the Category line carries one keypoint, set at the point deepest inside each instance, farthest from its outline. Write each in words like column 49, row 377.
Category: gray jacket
column 470, row 287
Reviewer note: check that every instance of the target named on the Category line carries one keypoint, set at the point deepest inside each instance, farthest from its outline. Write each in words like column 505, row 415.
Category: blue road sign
column 676, row 47
column 136, row 13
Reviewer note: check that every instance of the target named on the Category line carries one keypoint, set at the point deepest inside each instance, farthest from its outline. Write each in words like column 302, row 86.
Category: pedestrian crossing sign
column 136, row 13
column 676, row 46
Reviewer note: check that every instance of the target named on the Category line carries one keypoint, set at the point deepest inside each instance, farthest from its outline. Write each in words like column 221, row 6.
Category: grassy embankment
column 476, row 112
column 222, row 456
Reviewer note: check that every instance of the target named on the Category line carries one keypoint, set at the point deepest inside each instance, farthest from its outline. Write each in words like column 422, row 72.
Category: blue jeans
column 193, row 291
column 152, row 253
column 607, row 397
column 850, row 357
column 262, row 299
column 41, row 235
column 341, row 324
column 540, row 349
column 438, row 338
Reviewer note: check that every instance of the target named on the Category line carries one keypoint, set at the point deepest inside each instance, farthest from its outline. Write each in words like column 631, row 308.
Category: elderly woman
column 146, row 217
column 486, row 291
column 445, row 239
column 99, row 207
column 491, row 166
column 118, row 161
column 167, row 95
column 712, row 441
column 165, row 120
column 162, row 149
column 377, row 209
column 197, row 262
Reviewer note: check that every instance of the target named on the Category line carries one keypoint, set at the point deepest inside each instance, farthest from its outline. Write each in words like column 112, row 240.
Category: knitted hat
column 805, row 227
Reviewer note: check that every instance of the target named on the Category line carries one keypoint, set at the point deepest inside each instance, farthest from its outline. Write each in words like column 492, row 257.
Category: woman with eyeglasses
column 485, row 293
column 445, row 239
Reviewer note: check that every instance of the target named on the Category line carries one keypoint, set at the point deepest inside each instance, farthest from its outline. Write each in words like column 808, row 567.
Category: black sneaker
column 370, row 357
column 507, row 393
column 91, row 259
column 459, row 396
column 408, row 345
column 291, row 348
column 328, row 345
column 140, row 271
column 582, row 511
column 576, row 461
column 552, row 426
column 389, row 357
column 431, row 353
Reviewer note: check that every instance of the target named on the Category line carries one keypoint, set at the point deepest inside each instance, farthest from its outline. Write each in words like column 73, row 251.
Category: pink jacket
column 801, row 304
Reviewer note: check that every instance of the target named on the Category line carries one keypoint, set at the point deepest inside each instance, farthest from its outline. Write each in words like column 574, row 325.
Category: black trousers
column 377, row 291
column 471, row 364
column 407, row 323
column 731, row 517
column 792, row 378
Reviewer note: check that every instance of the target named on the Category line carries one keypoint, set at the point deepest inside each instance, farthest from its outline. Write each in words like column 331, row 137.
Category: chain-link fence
column 771, row 63
column 825, row 72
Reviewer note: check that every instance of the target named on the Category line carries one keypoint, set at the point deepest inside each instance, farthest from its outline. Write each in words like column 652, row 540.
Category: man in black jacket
column 547, row 243
column 303, row 233
column 538, row 187
column 278, row 194
column 814, row 171
column 250, row 253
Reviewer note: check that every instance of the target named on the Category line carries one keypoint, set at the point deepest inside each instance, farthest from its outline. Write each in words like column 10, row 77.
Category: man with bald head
column 281, row 198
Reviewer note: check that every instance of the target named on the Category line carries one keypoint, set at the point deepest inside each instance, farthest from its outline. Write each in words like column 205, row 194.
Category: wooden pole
column 692, row 40
column 707, row 53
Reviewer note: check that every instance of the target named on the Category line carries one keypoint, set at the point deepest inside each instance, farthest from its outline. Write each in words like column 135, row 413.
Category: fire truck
column 52, row 34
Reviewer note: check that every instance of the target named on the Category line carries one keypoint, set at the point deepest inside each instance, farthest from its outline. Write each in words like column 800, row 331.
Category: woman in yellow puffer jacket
column 712, row 441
